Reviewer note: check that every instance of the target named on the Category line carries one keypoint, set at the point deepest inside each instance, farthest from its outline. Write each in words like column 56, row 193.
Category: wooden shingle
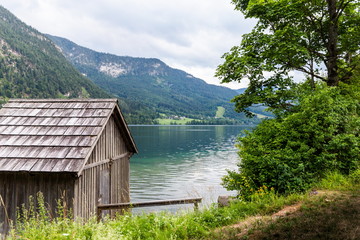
column 53, row 135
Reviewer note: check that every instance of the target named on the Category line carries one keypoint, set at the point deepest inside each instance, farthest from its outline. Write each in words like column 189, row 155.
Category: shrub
column 292, row 151
column 355, row 176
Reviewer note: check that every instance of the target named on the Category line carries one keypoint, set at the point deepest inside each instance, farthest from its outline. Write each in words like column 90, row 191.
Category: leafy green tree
column 290, row 153
column 317, row 122
column 320, row 38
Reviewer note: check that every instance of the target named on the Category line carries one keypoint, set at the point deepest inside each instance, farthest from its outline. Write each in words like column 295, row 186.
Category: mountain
column 32, row 67
column 257, row 109
column 149, row 83
column 240, row 90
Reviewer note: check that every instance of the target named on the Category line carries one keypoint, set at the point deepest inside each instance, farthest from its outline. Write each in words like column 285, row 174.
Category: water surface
column 182, row 161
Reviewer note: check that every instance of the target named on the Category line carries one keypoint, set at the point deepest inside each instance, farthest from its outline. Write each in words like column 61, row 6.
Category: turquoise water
column 182, row 161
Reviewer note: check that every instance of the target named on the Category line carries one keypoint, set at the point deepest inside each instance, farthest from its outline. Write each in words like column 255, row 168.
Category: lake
column 182, row 161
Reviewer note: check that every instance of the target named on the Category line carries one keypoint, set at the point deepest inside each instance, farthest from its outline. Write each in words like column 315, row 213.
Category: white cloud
column 190, row 35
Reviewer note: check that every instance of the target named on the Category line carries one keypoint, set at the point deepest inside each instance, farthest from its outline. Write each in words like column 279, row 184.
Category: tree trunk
column 332, row 63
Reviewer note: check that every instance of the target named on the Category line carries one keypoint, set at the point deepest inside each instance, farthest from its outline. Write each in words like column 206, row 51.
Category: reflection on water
column 182, row 161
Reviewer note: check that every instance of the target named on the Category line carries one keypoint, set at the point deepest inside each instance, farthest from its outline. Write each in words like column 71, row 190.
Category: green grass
column 165, row 121
column 220, row 112
column 203, row 224
column 332, row 212
column 190, row 225
column 330, row 217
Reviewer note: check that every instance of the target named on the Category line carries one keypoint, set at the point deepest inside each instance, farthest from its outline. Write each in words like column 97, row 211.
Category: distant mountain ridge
column 150, row 83
column 32, row 67
column 35, row 65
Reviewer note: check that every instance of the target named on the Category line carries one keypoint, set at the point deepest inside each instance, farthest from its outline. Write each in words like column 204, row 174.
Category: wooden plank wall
column 109, row 145
column 17, row 187
column 120, row 173
column 120, row 187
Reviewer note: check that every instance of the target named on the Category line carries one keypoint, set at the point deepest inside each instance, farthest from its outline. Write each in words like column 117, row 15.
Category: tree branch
column 302, row 69
column 341, row 9
column 317, row 21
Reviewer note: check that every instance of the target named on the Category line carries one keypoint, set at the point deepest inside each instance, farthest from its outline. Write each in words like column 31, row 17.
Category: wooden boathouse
column 77, row 149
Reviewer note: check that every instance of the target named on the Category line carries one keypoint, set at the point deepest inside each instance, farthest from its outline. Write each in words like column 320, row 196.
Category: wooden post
column 98, row 214
column 196, row 206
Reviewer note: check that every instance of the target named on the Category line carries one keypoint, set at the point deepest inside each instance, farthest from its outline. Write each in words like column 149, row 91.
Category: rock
column 224, row 201
column 314, row 192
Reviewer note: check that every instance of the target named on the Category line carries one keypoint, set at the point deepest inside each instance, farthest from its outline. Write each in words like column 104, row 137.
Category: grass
column 220, row 112
column 190, row 225
column 331, row 212
column 335, row 215
column 167, row 121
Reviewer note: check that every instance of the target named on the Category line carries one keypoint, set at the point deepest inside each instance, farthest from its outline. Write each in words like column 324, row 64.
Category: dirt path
column 326, row 215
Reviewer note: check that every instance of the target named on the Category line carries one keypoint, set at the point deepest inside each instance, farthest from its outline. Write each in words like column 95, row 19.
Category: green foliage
column 316, row 128
column 355, row 176
column 312, row 37
column 292, row 152
column 37, row 223
column 334, row 181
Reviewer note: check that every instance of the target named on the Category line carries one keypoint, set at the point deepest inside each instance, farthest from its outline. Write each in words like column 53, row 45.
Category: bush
column 290, row 152
column 355, row 176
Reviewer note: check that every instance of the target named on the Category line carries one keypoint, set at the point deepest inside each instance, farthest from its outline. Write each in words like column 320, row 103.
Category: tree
column 290, row 153
column 317, row 122
column 320, row 38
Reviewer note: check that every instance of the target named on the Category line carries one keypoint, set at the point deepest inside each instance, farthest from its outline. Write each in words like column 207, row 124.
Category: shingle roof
column 52, row 135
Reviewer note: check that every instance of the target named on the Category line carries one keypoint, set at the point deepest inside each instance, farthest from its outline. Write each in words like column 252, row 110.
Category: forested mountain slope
column 32, row 67
column 150, row 83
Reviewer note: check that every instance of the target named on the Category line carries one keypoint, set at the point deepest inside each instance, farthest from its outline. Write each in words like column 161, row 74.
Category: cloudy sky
column 190, row 35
